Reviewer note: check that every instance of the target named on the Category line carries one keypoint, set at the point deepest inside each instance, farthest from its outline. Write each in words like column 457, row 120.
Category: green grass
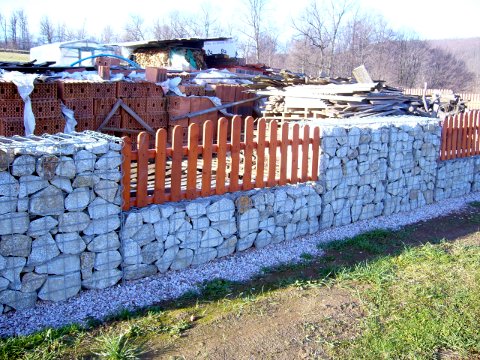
column 418, row 304
column 373, row 242
column 14, row 57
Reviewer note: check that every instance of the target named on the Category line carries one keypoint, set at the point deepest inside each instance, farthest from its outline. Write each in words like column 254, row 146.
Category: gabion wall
column 61, row 228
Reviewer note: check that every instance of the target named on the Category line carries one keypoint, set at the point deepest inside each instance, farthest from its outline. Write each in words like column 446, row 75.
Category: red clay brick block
column 104, row 72
column 88, row 123
column 179, row 104
column 49, row 126
column 12, row 126
column 155, row 106
column 74, row 90
column 127, row 89
column 103, row 90
column 44, row 91
column 8, row 91
column 11, row 108
column 103, row 106
column 139, row 105
column 155, row 74
column 47, row 109
column 80, row 107
column 154, row 91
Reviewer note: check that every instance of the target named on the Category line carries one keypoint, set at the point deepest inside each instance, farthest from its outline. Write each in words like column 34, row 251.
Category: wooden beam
column 110, row 114
column 138, row 118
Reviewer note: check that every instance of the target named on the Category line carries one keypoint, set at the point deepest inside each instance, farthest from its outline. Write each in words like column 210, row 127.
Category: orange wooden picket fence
column 264, row 156
column 461, row 136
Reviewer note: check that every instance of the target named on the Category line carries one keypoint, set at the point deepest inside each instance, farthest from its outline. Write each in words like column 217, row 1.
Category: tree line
column 329, row 38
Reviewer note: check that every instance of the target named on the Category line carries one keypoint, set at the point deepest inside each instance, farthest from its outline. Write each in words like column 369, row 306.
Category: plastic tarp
column 24, row 83
column 214, row 76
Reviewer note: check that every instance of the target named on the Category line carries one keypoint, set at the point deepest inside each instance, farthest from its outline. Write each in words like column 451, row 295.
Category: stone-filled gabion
column 59, row 213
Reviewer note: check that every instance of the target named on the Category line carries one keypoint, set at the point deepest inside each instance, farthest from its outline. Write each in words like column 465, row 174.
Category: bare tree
column 4, row 30
column 135, row 28
column 254, row 20
column 13, row 27
column 61, row 32
column 47, row 30
column 108, row 35
column 25, row 37
column 204, row 24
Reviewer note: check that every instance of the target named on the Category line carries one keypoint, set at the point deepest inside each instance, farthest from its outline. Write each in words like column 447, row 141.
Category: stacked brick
column 232, row 93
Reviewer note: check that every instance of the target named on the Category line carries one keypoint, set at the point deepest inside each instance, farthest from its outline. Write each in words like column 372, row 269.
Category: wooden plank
column 295, row 141
column 249, row 144
column 160, row 166
column 305, row 145
column 272, row 153
column 454, row 137
column 110, row 114
column 207, row 158
column 477, row 132
column 235, row 134
column 469, row 133
column 137, row 118
column 463, row 119
column 315, row 153
column 126, row 171
column 443, row 148
column 284, row 154
column 177, row 156
column 142, row 169
column 193, row 132
column 261, row 132
column 221, row 156
column 449, row 123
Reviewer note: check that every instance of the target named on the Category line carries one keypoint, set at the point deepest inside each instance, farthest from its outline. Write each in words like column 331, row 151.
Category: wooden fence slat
column 464, row 123
column 261, row 132
column 143, row 140
column 247, row 165
column 236, row 132
column 295, row 140
column 126, row 171
column 477, row 132
column 221, row 156
column 160, row 166
column 177, row 157
column 443, row 148
column 284, row 154
column 454, row 137
column 193, row 135
column 207, row 158
column 272, row 153
column 469, row 133
column 449, row 124
column 315, row 153
column 459, row 135
column 305, row 145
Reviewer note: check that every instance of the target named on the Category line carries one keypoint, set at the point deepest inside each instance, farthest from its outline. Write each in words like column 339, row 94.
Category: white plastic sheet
column 172, row 85
column 24, row 83
column 70, row 121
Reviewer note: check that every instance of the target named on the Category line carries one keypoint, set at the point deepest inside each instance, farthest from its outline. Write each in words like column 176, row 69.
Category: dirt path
column 299, row 322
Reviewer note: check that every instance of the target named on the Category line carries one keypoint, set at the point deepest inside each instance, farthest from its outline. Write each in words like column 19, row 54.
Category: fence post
column 126, row 171
column 192, row 161
column 221, row 156
column 261, row 130
column 207, row 158
column 235, row 134
column 247, row 165
column 177, row 157
column 160, row 166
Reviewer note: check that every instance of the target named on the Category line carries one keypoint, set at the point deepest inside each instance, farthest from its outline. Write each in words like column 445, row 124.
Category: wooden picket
column 254, row 158
column 460, row 136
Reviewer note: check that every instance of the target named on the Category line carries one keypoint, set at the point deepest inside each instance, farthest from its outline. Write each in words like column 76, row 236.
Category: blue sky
column 430, row 19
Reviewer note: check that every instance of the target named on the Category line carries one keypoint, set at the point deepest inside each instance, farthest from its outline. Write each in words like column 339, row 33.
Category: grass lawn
column 410, row 294
column 14, row 57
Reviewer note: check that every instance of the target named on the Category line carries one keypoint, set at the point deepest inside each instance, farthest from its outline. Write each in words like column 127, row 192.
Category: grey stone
column 102, row 279
column 161, row 229
column 248, row 222
column 144, row 235
column 13, row 268
column 32, row 282
column 192, row 241
column 108, row 260
column 302, row 228
column 211, row 238
column 30, row 184
column 166, row 211
column 100, row 208
column 300, row 215
column 87, row 261
column 100, row 146
column 23, row 165
column 278, row 235
column 48, row 201
column 43, row 250
column 62, row 183
column 3, row 284
column 195, row 209
column 103, row 225
column 226, row 228
column 8, row 204
column 150, row 214
column 66, row 167
column 73, row 222
column 171, row 241
column 221, row 210
column 15, row 245
column 113, row 175
column 106, row 189
column 78, row 199
column 84, row 161
column 46, row 166
column 313, row 226
column 70, row 243
column 60, row 265
column 343, row 217
column 104, row 242
column 182, row 260
column 268, row 224
column 115, row 146
column 86, row 179
column 3, row 262
column 166, row 260
column 290, row 231
column 41, row 226
column 184, row 231
column 204, row 255
column 61, row 287
column 283, row 203
column 333, row 177
column 14, row 223
column 132, row 253
column 18, row 300
column 243, row 204
column 139, row 271
column 202, row 223
column 263, row 239
column 227, row 247
column 110, row 160
column 246, row 242
column 152, row 252
column 283, row 219
column 314, row 203
column 133, row 224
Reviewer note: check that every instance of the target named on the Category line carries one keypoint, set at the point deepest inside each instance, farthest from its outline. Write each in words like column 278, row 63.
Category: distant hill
column 467, row 50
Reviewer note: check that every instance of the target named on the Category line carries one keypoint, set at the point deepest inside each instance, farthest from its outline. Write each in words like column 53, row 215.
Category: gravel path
column 238, row 267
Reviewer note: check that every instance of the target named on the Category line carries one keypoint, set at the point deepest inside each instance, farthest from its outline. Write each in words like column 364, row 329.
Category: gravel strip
column 238, row 267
